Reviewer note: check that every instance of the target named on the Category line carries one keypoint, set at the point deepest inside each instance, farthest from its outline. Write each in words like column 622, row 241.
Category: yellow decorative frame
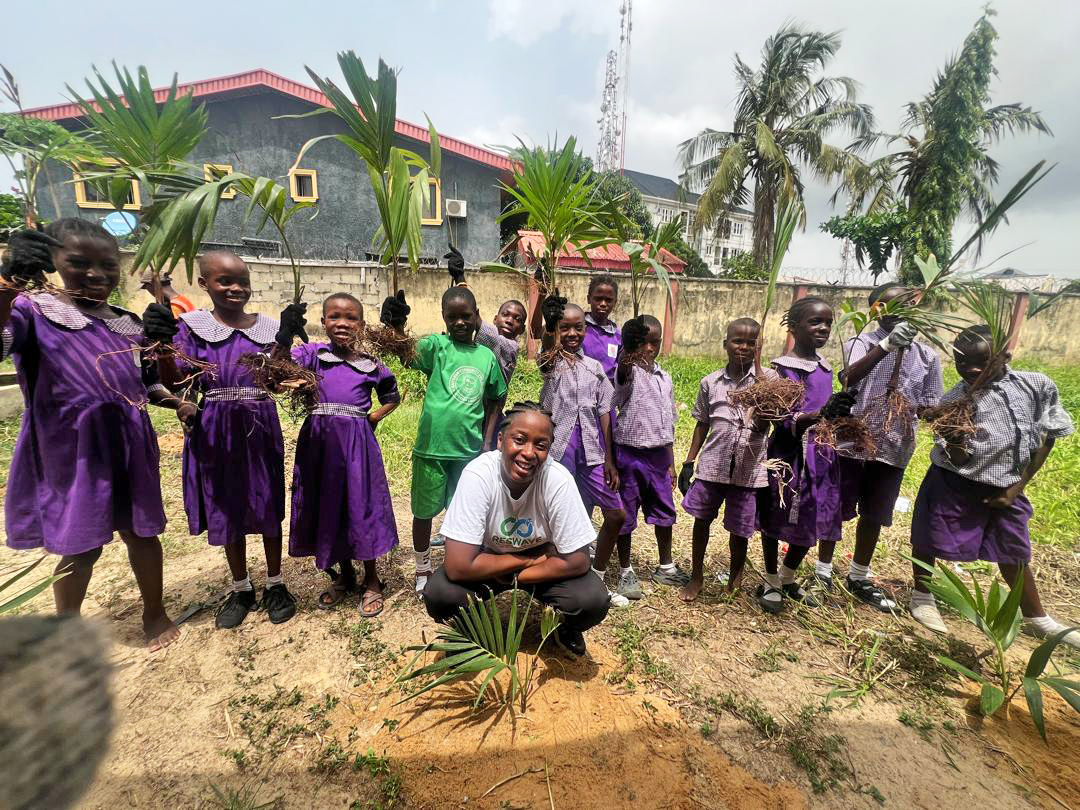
column 438, row 212
column 314, row 175
column 215, row 171
column 80, row 192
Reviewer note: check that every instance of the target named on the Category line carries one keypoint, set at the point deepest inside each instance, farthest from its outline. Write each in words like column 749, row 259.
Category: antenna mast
column 611, row 147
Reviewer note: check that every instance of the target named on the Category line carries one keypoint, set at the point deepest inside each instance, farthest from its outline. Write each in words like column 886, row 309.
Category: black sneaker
column 235, row 610
column 866, row 591
column 279, row 604
column 816, row 582
column 774, row 606
column 571, row 640
column 796, row 592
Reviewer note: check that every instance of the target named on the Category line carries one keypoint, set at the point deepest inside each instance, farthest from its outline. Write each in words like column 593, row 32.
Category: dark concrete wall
column 243, row 133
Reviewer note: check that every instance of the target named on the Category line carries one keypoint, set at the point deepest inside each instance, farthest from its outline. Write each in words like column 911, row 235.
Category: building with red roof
column 611, row 258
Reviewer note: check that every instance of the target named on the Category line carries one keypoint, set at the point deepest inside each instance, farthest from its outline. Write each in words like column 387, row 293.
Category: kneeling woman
column 517, row 514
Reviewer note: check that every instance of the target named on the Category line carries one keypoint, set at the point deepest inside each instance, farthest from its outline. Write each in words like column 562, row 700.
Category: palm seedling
column 14, row 593
column 645, row 254
column 996, row 614
column 477, row 641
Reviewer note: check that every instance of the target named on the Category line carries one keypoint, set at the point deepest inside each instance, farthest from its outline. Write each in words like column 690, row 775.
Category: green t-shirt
column 460, row 378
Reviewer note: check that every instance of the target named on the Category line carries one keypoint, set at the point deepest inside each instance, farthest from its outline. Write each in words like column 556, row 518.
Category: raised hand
column 455, row 265
column 901, row 336
column 292, row 321
column 395, row 311
column 28, row 257
column 552, row 310
column 838, row 405
column 159, row 323
column 634, row 332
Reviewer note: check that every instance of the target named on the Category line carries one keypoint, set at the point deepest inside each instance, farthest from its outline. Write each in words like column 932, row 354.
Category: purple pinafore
column 86, row 460
column 811, row 509
column 602, row 343
column 341, row 507
column 234, row 458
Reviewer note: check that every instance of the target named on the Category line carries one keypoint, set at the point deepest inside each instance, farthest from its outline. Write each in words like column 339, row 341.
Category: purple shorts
column 705, row 498
column 951, row 521
column 645, row 483
column 590, row 478
column 869, row 489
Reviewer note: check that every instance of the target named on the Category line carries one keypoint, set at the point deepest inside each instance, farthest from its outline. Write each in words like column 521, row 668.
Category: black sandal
column 773, row 606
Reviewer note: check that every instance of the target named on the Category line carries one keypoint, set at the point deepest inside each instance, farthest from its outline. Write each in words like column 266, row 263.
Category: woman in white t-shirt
column 517, row 514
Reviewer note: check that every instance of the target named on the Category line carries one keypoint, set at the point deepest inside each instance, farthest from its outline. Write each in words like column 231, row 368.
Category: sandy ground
column 713, row 705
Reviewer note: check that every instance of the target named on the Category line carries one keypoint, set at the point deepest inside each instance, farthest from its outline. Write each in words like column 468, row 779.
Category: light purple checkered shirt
column 734, row 450
column 1014, row 416
column 920, row 382
column 576, row 394
column 647, row 410
column 504, row 349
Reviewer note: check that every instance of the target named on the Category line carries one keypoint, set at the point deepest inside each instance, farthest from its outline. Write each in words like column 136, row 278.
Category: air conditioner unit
column 456, row 208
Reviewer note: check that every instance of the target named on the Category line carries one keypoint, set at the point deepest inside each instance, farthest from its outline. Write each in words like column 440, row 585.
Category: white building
column 666, row 201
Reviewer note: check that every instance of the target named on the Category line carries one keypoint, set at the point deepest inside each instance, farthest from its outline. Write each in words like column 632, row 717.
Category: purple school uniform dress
column 811, row 508
column 602, row 342
column 234, row 458
column 341, row 508
column 576, row 394
column 86, row 460
column 1013, row 417
column 644, row 436
column 729, row 470
column 869, row 487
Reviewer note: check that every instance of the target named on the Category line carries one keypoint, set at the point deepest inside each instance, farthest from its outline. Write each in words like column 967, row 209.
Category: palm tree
column 783, row 112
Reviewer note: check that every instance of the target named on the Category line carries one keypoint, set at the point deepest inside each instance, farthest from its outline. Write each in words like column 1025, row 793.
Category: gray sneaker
column 676, row 578
column 629, row 586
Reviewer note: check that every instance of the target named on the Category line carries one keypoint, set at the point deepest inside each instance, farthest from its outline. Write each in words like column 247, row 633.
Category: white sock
column 669, row 568
column 624, row 571
column 242, row 584
column 599, row 573
column 772, row 580
column 823, row 569
column 423, row 561
column 278, row 580
column 1045, row 624
column 920, row 598
column 858, row 572
column 787, row 575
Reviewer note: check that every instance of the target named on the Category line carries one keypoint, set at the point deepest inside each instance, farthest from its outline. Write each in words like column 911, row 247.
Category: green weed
column 244, row 798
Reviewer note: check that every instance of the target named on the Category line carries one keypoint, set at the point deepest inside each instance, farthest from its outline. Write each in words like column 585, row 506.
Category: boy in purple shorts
column 732, row 449
column 869, row 487
column 579, row 395
column 644, row 455
column 971, row 505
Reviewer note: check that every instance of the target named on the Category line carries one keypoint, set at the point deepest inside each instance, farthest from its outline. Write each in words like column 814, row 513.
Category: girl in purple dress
column 810, row 507
column 341, row 508
column 86, row 460
column 234, row 454
column 602, row 337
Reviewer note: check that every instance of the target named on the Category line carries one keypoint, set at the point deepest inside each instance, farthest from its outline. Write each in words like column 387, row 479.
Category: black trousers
column 583, row 601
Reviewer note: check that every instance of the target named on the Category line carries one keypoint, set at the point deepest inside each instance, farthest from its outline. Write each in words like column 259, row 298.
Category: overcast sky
column 487, row 71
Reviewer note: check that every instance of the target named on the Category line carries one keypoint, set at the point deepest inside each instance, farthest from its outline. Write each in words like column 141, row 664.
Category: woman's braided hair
column 528, row 406
column 798, row 309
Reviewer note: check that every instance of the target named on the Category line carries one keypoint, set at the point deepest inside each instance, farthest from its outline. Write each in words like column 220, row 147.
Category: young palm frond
column 12, row 603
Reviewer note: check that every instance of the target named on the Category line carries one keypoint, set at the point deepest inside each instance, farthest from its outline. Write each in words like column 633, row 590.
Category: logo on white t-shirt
column 515, row 532
column 466, row 385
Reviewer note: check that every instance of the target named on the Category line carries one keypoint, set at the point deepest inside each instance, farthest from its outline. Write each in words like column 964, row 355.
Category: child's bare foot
column 160, row 632
column 689, row 592
column 733, row 585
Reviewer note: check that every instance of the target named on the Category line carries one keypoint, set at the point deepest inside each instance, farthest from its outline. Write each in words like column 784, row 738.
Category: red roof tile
column 608, row 257
column 264, row 78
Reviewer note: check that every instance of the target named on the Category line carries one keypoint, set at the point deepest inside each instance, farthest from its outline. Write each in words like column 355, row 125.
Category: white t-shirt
column 482, row 512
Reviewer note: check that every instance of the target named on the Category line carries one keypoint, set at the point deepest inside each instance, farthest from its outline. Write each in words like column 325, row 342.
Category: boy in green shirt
column 465, row 386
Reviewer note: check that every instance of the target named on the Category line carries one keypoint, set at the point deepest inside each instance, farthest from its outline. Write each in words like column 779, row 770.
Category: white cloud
column 524, row 21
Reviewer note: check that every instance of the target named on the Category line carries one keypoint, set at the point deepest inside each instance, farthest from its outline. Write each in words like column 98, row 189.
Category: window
column 93, row 195
column 736, row 228
column 432, row 213
column 215, row 171
column 725, row 229
column 304, row 185
column 666, row 215
column 726, row 253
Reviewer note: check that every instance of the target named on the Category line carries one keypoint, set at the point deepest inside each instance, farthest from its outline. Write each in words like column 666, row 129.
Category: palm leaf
column 1033, row 693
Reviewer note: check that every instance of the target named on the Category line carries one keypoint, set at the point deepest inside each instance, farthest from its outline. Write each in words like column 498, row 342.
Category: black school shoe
column 866, row 591
column 796, row 592
column 279, row 604
column 235, row 610
column 573, row 641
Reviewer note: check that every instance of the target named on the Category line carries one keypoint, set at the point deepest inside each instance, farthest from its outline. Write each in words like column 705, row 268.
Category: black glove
column 634, row 332
column 159, row 323
column 29, row 257
column 292, row 322
column 395, row 311
column 455, row 265
column 552, row 310
column 839, row 404
column 686, row 477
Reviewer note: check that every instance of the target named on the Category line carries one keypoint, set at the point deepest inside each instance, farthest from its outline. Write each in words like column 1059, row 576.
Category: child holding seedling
column 883, row 364
column 644, row 438
column 465, row 385
column 971, row 504
column 728, row 445
column 85, row 464
column 579, row 395
column 341, row 508
column 805, row 509
column 234, row 455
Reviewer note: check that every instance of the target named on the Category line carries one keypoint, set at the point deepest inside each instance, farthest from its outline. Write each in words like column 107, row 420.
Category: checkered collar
column 750, row 374
column 364, row 364
column 1007, row 377
column 802, row 364
column 210, row 329
column 70, row 316
column 878, row 334
column 607, row 328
